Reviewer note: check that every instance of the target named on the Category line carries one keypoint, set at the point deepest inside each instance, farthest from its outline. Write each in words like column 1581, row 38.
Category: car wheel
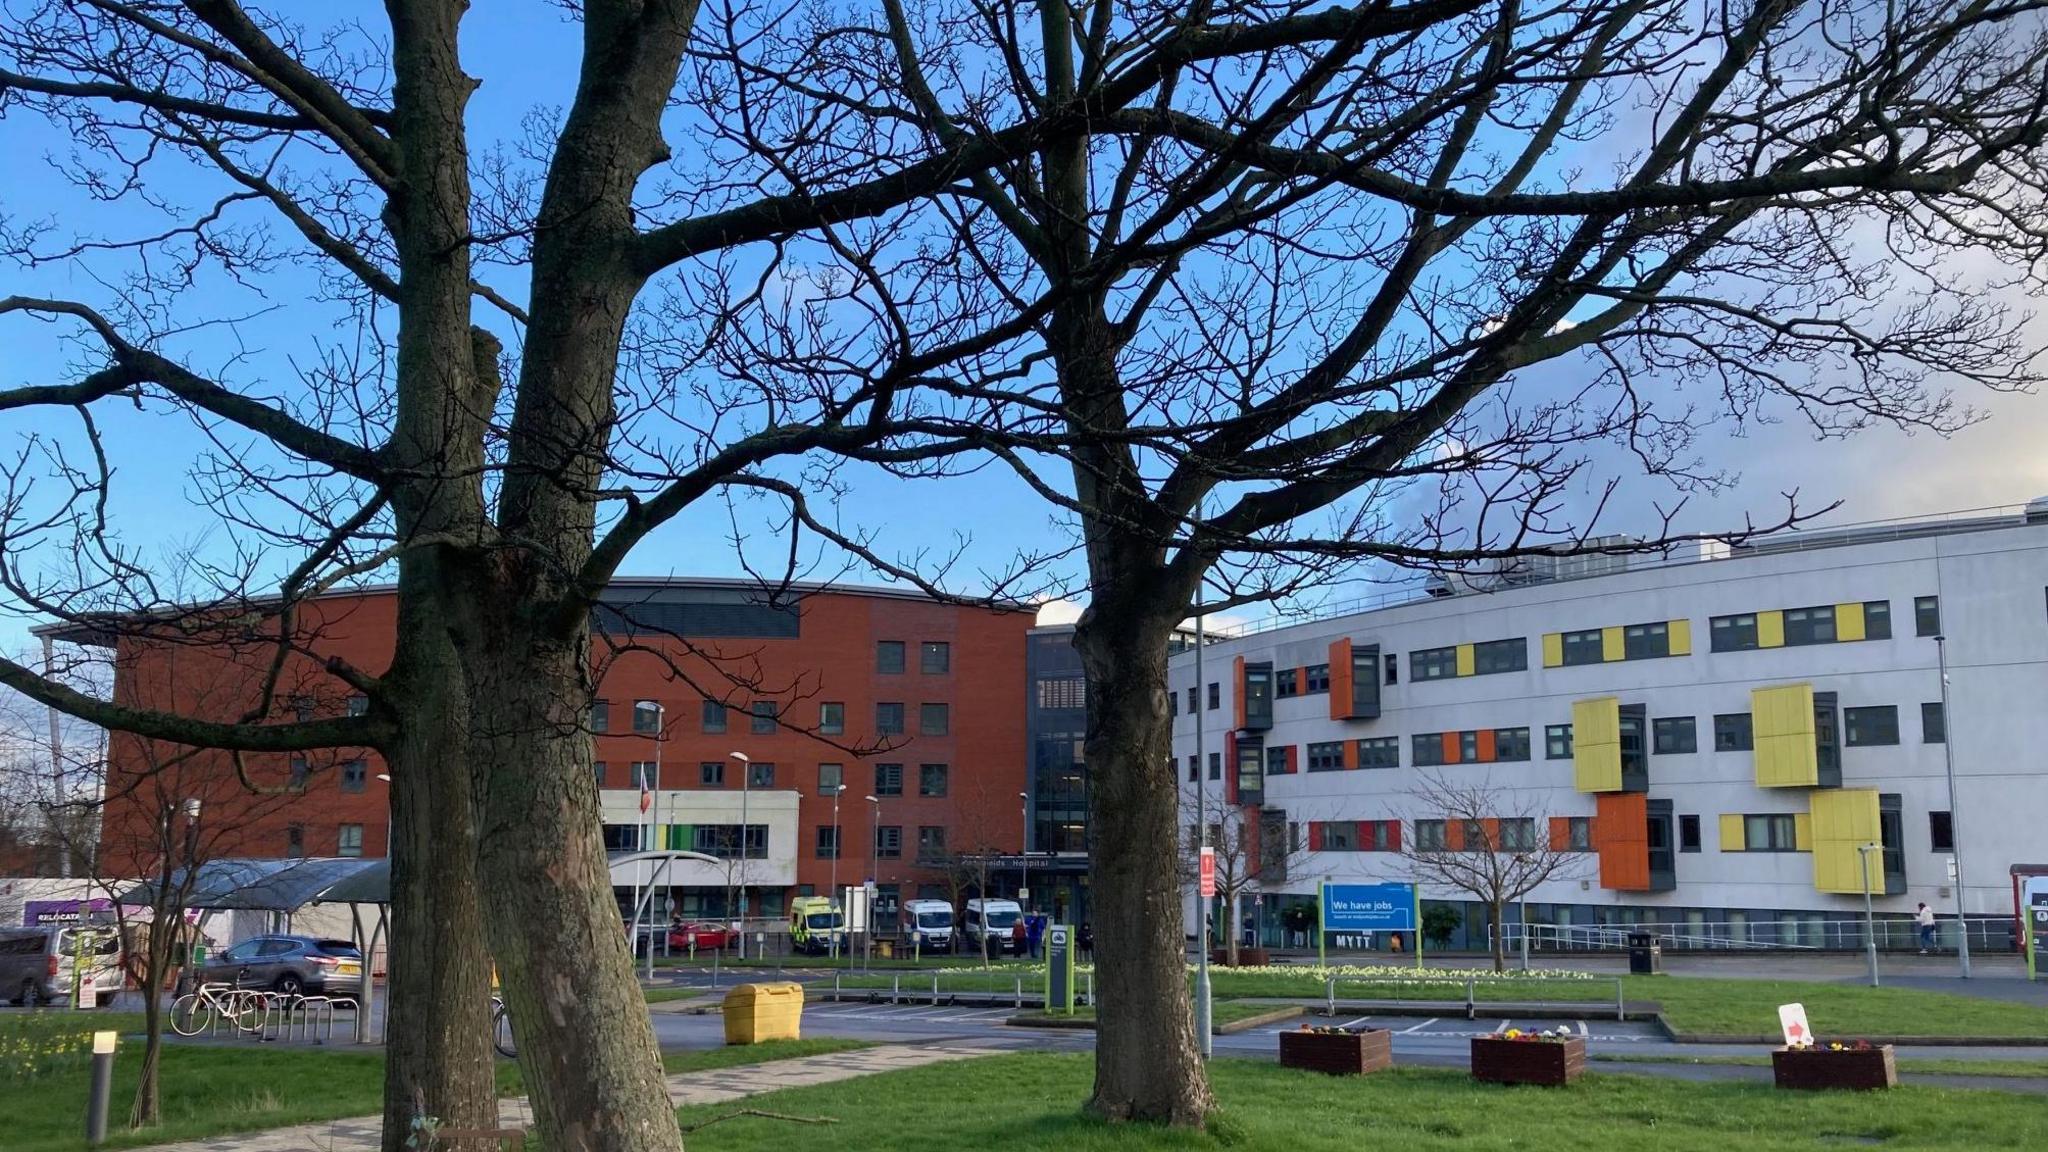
column 288, row 985
column 32, row 994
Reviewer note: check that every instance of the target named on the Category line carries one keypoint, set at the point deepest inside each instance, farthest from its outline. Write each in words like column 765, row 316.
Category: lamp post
column 838, row 849
column 1863, row 852
column 1202, row 988
column 1955, row 824
column 1024, row 882
column 746, row 786
column 658, row 875
column 867, row 936
column 191, row 809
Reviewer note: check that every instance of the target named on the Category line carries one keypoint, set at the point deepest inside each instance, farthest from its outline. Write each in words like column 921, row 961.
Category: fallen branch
column 689, row 1128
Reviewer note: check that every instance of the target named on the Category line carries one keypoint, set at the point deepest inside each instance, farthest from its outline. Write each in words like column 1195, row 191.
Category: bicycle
column 193, row 1012
column 501, row 1030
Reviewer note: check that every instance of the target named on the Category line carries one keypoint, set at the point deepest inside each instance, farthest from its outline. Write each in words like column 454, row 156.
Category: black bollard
column 103, row 1044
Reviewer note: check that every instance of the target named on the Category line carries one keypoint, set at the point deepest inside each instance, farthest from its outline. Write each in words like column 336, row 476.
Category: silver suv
column 289, row 966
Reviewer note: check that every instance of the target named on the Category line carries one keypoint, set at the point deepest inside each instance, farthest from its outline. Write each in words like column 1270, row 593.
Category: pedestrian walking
column 1034, row 932
column 1087, row 943
column 1925, row 918
column 1019, row 937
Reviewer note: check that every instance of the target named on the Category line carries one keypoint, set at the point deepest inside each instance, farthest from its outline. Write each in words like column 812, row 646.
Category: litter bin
column 757, row 1012
column 1645, row 955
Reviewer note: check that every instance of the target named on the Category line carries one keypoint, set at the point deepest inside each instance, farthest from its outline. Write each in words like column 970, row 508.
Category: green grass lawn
column 209, row 1090
column 2004, row 1069
column 666, row 995
column 1031, row 1103
column 1750, row 1007
column 804, row 961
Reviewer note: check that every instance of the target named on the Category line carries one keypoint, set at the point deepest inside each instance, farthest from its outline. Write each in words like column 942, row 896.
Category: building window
column 358, row 705
column 1673, row 734
column 1429, row 836
column 1689, row 833
column 889, row 718
column 1732, row 633
column 1063, row 692
column 1877, row 620
column 1379, row 752
column 831, row 778
column 931, row 779
column 301, row 773
column 1646, row 641
column 1475, row 836
column 935, row 657
column 1941, row 832
column 1933, row 725
column 1172, row 703
column 1432, row 664
column 1872, row 725
column 1326, row 757
column 295, row 841
column 643, row 775
column 303, row 708
column 1215, row 695
column 1584, row 647
column 1194, row 770
column 711, row 773
column 1340, row 836
column 1578, row 832
column 348, row 840
column 831, row 718
column 888, row 779
column 1426, row 749
column 1193, row 705
column 1926, row 615
column 646, row 717
column 889, row 656
column 931, row 842
column 1501, row 656
column 714, row 716
column 1557, row 742
column 1518, row 834
column 888, row 842
column 828, row 842
column 760, row 774
column 1318, row 677
column 622, row 837
column 1393, row 668
column 1510, row 744
column 763, row 714
column 1776, row 832
column 1733, row 732
column 1286, row 682
column 600, row 716
column 1276, row 761
column 597, row 768
column 1215, row 765
column 934, row 719
column 1810, row 625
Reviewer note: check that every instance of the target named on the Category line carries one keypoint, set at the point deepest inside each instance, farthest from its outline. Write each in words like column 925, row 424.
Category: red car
column 708, row 934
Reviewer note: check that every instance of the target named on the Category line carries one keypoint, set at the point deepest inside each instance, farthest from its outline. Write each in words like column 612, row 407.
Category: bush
column 1439, row 923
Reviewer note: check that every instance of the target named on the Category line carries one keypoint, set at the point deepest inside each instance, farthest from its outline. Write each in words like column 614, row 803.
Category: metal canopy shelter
column 285, row 886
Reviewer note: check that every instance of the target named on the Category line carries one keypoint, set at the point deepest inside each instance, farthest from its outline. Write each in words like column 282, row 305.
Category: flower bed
column 1551, row 1059
column 1859, row 1065
column 1246, row 957
column 1337, row 1051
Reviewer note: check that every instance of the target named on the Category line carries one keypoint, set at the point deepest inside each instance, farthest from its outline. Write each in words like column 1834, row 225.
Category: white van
column 36, row 964
column 993, row 920
column 927, row 926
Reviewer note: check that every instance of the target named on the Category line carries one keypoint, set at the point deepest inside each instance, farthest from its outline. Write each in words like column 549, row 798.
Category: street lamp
column 191, row 809
column 838, row 849
column 874, row 867
column 746, row 786
column 1955, row 824
column 390, row 818
column 659, row 873
column 1024, row 884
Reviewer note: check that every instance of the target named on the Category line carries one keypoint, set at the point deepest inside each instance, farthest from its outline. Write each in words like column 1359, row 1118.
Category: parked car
column 36, row 964
column 289, row 966
column 708, row 934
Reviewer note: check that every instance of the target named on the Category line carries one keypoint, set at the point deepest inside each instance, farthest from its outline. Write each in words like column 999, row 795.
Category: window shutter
column 1487, row 751
column 1237, row 717
column 1560, row 834
column 1315, row 836
column 1454, row 835
column 1350, row 755
column 1289, row 758
column 1734, row 838
column 1340, row 680
column 1452, row 752
column 1393, row 835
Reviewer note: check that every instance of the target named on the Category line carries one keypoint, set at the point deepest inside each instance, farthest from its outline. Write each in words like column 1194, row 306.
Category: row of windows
column 1762, row 832
column 764, row 718
column 1484, row 746
column 1868, row 726
column 348, row 840
column 932, row 779
column 354, row 775
column 931, row 842
column 934, row 657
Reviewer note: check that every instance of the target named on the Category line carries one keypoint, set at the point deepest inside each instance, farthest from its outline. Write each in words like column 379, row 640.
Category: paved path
column 361, row 1133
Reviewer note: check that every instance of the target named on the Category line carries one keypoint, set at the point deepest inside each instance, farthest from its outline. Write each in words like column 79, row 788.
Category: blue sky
column 524, row 53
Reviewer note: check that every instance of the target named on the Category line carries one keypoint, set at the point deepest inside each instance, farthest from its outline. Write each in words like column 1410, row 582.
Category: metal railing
column 1988, row 934
column 1513, row 990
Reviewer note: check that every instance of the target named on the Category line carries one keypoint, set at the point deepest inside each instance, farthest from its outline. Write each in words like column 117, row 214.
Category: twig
column 689, row 1128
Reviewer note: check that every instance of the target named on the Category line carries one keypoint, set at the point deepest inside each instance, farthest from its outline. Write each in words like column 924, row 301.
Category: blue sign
column 1369, row 908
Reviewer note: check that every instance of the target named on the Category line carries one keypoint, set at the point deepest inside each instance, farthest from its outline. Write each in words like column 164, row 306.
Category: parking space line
column 1354, row 1023
column 1503, row 1027
column 1582, row 1027
column 1418, row 1027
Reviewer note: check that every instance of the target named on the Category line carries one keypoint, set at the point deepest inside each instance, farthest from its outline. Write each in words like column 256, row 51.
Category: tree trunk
column 438, row 1058
column 162, row 930
column 1147, row 1063
column 1500, row 943
column 585, row 1039
column 1230, row 949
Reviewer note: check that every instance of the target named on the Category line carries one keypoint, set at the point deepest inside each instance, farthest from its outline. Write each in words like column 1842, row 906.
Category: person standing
column 1018, row 937
column 1087, row 943
column 1034, row 932
column 1925, row 918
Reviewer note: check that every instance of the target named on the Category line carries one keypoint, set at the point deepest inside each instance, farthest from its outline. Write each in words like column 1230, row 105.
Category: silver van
column 36, row 964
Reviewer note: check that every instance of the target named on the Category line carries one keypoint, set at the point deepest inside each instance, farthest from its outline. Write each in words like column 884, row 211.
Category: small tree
column 1248, row 856
column 1495, row 846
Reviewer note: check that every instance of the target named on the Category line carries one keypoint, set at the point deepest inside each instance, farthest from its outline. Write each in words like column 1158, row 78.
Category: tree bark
column 1500, row 956
column 1147, row 1063
column 163, row 929
column 585, row 1039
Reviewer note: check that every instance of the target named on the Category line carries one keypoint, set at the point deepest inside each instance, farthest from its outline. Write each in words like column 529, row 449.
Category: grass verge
column 1220, row 1013
column 1935, row 1066
column 216, row 1090
column 1030, row 1103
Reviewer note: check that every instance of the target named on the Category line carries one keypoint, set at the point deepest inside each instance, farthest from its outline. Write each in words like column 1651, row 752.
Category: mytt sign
column 1370, row 908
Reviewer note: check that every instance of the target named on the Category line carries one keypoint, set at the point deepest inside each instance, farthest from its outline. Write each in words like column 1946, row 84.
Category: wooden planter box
column 1349, row 1054
column 1867, row 1068
column 1548, row 1062
column 1246, row 957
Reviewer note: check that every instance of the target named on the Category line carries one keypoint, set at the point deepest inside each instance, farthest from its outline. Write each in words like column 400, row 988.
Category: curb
column 1056, row 1023
column 1040, row 1020
column 1262, row 1019
column 1901, row 1041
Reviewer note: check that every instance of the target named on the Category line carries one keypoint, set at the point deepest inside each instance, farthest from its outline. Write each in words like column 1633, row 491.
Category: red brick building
column 890, row 695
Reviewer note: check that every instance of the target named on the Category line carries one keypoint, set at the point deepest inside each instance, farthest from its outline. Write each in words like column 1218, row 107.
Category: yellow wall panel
column 1781, row 726
column 1612, row 645
column 1681, row 637
column 1842, row 820
column 1849, row 622
column 1802, row 832
column 1467, row 660
column 1596, row 744
column 1733, row 838
column 1770, row 629
column 1553, row 649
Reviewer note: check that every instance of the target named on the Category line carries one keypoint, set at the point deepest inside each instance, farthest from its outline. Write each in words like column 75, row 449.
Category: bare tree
column 1252, row 853
column 1488, row 841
